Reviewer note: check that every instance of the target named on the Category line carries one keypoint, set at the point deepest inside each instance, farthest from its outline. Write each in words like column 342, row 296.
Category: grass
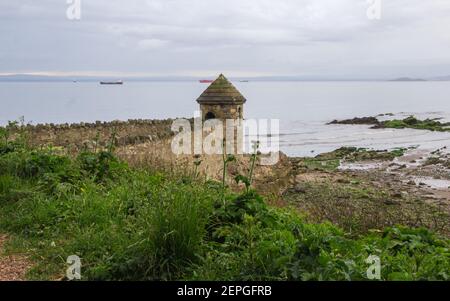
column 134, row 224
column 112, row 221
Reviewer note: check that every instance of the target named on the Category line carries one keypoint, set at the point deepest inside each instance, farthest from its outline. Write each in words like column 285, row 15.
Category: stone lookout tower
column 221, row 100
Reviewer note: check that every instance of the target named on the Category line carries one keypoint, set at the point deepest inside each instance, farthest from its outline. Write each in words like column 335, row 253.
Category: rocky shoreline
column 409, row 170
column 410, row 122
column 374, row 190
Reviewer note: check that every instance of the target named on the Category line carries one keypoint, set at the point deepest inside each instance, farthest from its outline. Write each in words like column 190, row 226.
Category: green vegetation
column 414, row 123
column 409, row 122
column 354, row 154
column 331, row 161
column 133, row 224
column 321, row 164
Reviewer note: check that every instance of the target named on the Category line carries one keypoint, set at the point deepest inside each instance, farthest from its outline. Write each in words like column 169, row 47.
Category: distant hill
column 441, row 78
column 408, row 79
column 32, row 78
column 44, row 78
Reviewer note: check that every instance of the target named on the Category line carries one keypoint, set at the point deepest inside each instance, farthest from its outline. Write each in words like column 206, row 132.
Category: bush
column 8, row 186
column 100, row 165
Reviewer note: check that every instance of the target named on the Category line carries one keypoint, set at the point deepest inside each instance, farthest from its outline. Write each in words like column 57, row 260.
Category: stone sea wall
column 79, row 134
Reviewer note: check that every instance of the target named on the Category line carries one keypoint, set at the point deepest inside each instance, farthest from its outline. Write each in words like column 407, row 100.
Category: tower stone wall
column 222, row 111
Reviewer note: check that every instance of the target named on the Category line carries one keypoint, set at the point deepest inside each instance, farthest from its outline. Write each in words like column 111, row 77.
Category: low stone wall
column 80, row 134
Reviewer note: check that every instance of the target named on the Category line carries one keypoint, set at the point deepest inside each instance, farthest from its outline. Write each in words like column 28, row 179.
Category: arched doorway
column 210, row 115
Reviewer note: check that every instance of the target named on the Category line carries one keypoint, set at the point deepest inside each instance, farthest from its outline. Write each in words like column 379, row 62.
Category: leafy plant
column 247, row 180
column 225, row 160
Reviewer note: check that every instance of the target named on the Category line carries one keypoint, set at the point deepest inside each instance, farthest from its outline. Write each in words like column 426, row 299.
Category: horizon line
column 131, row 76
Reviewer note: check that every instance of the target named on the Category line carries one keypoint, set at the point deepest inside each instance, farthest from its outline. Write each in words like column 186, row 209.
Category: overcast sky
column 311, row 38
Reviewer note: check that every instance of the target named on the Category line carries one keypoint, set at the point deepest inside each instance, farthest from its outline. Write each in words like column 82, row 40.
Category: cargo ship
column 119, row 82
column 206, row 81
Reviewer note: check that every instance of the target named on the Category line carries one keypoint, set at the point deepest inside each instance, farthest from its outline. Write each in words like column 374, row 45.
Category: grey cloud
column 326, row 38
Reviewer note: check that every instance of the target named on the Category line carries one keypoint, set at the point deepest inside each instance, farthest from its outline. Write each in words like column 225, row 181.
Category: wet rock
column 397, row 195
column 343, row 181
column 390, row 202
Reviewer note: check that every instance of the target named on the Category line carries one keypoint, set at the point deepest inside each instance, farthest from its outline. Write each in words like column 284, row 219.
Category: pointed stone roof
column 221, row 91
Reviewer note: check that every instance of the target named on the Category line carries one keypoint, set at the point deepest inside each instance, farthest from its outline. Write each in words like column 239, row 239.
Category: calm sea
column 302, row 107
